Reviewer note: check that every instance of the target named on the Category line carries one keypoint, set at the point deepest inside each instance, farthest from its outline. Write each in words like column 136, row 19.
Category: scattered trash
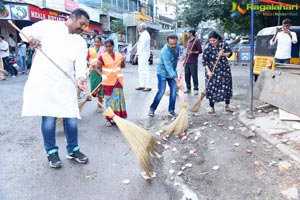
column 171, row 171
column 259, row 163
column 226, row 138
column 216, row 167
column 220, row 124
column 126, row 181
column 166, row 146
column 205, row 123
column 171, row 178
column 237, row 144
column 179, row 173
column 158, row 155
column 249, row 151
column 193, row 152
column 198, row 134
column 212, row 142
column 183, row 168
column 173, row 161
column 272, row 163
column 196, row 138
column 158, row 142
column 189, row 165
column 231, row 128
column 174, row 149
column 184, row 138
column 157, row 133
column 284, row 165
column 176, row 184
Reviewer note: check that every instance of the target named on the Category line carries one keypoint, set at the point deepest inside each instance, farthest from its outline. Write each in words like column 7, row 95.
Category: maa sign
column 37, row 14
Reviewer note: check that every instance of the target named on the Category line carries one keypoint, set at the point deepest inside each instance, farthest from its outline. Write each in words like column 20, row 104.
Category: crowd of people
column 58, row 97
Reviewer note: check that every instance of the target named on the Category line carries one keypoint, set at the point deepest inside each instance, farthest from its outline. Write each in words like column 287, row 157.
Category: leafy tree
column 117, row 26
column 194, row 11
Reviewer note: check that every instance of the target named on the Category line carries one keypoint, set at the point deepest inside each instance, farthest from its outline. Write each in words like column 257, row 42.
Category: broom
column 142, row 143
column 4, row 72
column 180, row 124
column 59, row 121
column 197, row 105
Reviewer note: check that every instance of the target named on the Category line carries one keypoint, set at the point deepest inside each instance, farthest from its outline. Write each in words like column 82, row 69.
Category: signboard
column 37, row 14
column 71, row 5
column 5, row 13
column 19, row 12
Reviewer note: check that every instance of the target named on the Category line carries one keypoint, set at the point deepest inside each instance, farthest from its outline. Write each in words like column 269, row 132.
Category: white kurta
column 49, row 92
column 143, row 52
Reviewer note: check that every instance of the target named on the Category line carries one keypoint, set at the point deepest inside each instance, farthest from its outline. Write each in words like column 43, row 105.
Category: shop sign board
column 37, row 14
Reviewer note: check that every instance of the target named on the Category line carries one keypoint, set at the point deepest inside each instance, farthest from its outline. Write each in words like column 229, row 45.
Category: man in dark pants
column 191, row 68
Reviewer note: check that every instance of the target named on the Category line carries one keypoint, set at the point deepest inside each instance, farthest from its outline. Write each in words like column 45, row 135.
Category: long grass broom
column 197, row 105
column 4, row 72
column 180, row 124
column 141, row 142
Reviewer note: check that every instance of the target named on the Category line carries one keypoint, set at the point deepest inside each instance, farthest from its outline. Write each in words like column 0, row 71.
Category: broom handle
column 185, row 61
column 124, row 57
column 215, row 65
column 55, row 64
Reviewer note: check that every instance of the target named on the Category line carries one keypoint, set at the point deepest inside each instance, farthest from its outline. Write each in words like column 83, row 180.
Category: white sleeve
column 294, row 38
column 35, row 30
column 271, row 41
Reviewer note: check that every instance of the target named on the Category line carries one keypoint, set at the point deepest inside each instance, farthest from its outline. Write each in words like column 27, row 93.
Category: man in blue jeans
column 48, row 92
column 166, row 73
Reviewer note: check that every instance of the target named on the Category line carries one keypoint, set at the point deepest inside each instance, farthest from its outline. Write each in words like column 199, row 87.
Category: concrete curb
column 293, row 154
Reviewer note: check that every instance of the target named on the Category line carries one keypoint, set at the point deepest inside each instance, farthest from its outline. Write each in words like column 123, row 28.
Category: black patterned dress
column 220, row 86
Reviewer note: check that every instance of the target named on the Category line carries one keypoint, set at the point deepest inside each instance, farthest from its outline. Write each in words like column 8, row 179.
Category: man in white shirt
column 12, row 43
column 4, row 54
column 21, row 55
column 284, row 39
column 48, row 92
column 143, row 54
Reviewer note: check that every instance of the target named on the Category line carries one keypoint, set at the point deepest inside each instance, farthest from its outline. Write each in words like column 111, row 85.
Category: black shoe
column 54, row 160
column 151, row 113
column 78, row 156
column 173, row 114
column 187, row 91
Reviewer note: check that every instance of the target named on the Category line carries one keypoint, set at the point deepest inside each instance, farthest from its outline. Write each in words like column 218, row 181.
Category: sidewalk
column 285, row 135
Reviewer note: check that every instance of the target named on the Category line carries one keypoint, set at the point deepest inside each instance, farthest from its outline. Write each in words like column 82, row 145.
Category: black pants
column 191, row 69
column 7, row 65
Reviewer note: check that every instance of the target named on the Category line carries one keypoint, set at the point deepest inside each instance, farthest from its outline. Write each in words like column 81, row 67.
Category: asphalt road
column 25, row 173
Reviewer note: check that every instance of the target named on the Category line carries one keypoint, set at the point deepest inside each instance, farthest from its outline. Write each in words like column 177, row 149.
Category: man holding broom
column 166, row 73
column 48, row 92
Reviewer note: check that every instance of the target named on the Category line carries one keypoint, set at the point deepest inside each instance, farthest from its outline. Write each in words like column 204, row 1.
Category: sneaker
column 54, row 160
column 173, row 114
column 196, row 92
column 78, row 156
column 151, row 113
column 187, row 91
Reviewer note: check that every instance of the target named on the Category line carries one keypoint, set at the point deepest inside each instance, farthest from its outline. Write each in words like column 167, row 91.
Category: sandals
column 110, row 123
column 229, row 109
column 212, row 111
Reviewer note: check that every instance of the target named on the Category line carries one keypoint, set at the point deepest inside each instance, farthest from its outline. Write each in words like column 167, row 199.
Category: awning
column 152, row 26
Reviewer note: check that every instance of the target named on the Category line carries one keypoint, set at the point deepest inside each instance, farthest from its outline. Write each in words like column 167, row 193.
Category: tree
column 195, row 11
column 117, row 26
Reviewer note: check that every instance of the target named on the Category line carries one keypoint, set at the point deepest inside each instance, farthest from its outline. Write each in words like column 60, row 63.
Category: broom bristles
column 179, row 125
column 141, row 142
column 197, row 105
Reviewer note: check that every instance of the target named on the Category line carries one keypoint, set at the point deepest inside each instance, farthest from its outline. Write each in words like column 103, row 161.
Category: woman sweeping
column 95, row 73
column 220, row 84
column 112, row 80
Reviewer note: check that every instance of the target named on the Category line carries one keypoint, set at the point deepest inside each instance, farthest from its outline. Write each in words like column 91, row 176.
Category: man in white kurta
column 143, row 54
column 48, row 92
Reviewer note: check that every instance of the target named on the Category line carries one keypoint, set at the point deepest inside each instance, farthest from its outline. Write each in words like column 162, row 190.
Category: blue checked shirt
column 168, row 61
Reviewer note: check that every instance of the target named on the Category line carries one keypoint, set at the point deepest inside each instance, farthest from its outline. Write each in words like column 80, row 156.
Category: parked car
column 133, row 52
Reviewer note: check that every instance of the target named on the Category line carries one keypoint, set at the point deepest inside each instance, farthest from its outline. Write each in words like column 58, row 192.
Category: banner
column 37, row 14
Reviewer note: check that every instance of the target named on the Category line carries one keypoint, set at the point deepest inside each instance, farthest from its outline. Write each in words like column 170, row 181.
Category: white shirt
column 143, row 45
column 284, row 44
column 48, row 91
column 4, row 46
column 11, row 42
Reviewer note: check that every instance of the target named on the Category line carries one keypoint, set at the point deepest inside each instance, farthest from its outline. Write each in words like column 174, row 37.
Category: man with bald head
column 143, row 54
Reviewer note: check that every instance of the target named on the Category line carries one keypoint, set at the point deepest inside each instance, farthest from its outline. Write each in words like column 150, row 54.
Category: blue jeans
column 22, row 61
column 162, row 80
column 285, row 61
column 48, row 130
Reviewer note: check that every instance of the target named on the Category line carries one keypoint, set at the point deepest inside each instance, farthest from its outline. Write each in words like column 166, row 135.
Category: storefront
column 25, row 15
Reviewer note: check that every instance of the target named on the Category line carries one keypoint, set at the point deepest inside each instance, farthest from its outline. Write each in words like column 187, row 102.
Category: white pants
column 144, row 70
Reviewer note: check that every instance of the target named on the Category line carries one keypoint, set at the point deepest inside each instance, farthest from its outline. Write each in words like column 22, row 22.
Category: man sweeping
column 48, row 92
column 166, row 73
